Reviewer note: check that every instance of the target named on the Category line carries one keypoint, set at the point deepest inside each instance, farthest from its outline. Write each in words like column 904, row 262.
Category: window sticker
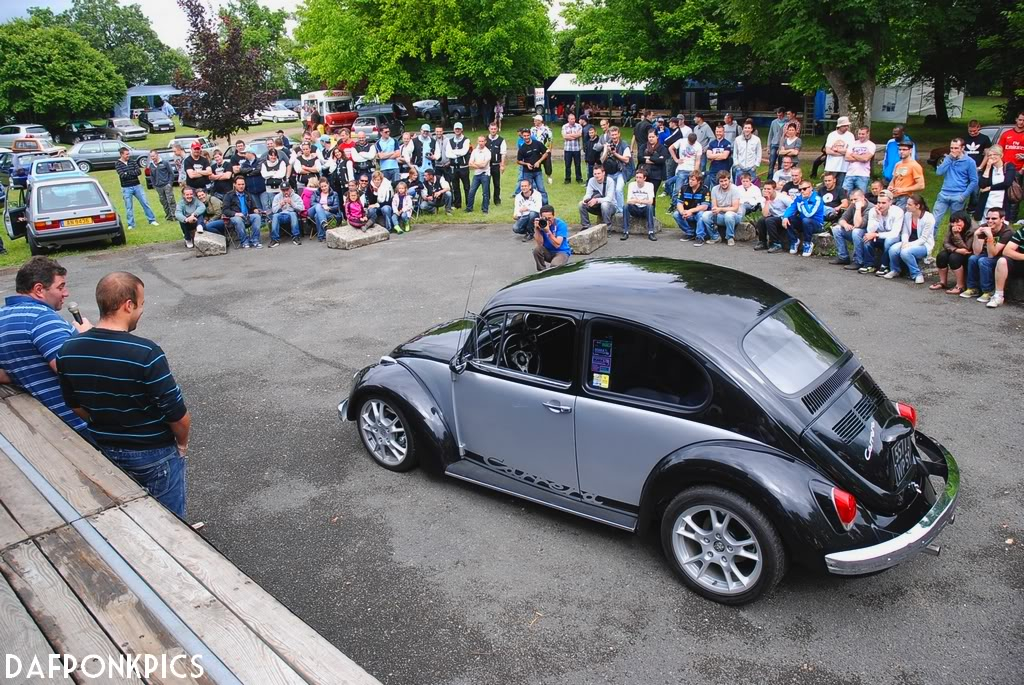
column 601, row 363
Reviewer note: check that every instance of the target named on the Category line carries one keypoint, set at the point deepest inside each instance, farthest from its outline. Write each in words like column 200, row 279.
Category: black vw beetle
column 647, row 390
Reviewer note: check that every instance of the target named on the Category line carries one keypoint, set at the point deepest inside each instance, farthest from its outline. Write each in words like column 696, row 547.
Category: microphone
column 75, row 314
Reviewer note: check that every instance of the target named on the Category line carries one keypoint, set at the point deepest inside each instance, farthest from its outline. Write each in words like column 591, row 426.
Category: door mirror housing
column 457, row 364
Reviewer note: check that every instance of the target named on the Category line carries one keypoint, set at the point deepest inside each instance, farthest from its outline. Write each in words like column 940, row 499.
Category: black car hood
column 439, row 343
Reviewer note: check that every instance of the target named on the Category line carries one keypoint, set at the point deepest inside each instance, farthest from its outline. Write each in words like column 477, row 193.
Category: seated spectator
column 851, row 228
column 415, row 184
column 527, row 208
column 876, row 189
column 751, row 199
column 355, row 212
column 402, row 206
column 885, row 224
column 639, row 204
column 551, row 238
column 189, row 213
column 792, row 187
column 213, row 220
column 956, row 249
column 916, row 240
column 785, row 174
column 1010, row 264
column 769, row 226
column 833, row 197
column 241, row 209
column 598, row 199
column 989, row 241
column 687, row 154
column 312, row 186
column 803, row 219
column 692, row 200
column 725, row 208
column 324, row 209
column 907, row 176
column 435, row 193
column 994, row 179
column 377, row 194
column 286, row 207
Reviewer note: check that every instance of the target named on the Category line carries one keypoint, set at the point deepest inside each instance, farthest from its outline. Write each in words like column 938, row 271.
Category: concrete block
column 589, row 240
column 824, row 244
column 209, row 244
column 348, row 238
column 637, row 226
column 745, row 232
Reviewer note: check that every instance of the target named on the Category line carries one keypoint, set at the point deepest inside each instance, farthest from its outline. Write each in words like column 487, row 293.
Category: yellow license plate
column 78, row 222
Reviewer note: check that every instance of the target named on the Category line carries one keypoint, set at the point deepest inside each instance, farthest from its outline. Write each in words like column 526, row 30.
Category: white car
column 277, row 112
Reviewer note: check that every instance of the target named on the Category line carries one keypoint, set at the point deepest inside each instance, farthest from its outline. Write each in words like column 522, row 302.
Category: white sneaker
column 919, row 279
column 189, row 244
column 200, row 229
column 996, row 300
column 153, row 223
column 731, row 242
column 891, row 275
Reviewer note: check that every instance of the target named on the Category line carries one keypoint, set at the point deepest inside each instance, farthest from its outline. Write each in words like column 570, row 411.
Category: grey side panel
column 437, row 378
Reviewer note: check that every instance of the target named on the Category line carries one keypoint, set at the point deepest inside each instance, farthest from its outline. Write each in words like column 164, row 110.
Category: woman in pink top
column 355, row 212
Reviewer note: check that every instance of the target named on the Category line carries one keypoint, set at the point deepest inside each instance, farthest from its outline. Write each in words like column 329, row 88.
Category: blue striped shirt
column 31, row 334
column 125, row 384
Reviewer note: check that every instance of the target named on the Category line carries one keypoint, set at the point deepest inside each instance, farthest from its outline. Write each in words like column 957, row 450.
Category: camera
column 542, row 224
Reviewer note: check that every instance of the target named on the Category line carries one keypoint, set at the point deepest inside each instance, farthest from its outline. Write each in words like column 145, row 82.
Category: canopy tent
column 566, row 84
column 124, row 108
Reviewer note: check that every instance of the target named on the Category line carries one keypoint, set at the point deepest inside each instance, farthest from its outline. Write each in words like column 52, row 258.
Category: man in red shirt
column 1012, row 142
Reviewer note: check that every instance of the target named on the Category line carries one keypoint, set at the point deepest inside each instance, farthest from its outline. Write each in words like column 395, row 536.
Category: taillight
column 46, row 225
column 908, row 412
column 100, row 218
column 846, row 507
column 376, row 130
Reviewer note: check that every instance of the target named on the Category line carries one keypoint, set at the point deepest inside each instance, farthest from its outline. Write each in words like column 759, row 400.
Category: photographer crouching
column 551, row 238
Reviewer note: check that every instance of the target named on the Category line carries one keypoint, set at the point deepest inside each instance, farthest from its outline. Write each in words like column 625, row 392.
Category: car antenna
column 465, row 310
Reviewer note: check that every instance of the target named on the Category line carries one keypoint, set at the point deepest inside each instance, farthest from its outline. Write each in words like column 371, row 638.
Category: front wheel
column 722, row 546
column 386, row 434
column 84, row 166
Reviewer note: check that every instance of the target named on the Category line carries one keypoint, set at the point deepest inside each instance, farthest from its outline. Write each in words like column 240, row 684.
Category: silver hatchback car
column 64, row 210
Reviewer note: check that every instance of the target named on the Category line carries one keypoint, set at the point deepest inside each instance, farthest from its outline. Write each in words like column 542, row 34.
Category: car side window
column 538, row 344
column 90, row 148
column 628, row 361
column 8, row 130
column 111, row 147
column 488, row 338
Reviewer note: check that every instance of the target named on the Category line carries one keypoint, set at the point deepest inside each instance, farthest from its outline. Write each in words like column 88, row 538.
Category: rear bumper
column 70, row 236
column 892, row 552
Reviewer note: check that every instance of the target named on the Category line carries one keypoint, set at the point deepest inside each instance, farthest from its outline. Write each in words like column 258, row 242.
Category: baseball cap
column 537, row 117
column 458, row 124
column 524, row 130
column 425, row 127
column 196, row 145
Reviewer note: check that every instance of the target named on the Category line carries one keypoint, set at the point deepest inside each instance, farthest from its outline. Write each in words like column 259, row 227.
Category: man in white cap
column 836, row 146
column 425, row 143
column 542, row 134
column 459, row 149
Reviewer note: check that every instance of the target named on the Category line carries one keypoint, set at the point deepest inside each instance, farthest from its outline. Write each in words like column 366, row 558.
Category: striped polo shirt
column 125, row 384
column 31, row 334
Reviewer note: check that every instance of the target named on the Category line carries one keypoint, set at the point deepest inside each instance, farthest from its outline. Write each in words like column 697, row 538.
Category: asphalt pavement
column 425, row 580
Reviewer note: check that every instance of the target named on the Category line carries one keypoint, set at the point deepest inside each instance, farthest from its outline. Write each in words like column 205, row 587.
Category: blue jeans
column 886, row 247
column 773, row 156
column 129, row 207
column 291, row 218
column 391, row 175
column 619, row 183
column 524, row 224
column 319, row 214
column 536, row 179
column 479, row 181
column 901, row 202
column 255, row 222
column 266, row 201
column 688, row 225
column 738, row 170
column 947, row 202
column 639, row 212
column 402, row 219
column 161, row 471
column 708, row 222
column 215, row 226
column 981, row 272
column 851, row 182
column 801, row 228
column 385, row 213
column 840, row 235
column 908, row 256
column 431, row 205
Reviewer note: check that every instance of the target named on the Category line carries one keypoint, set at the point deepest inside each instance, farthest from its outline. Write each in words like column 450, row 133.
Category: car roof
column 692, row 301
column 62, row 179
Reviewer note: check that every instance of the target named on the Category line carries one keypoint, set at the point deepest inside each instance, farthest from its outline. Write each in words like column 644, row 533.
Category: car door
column 8, row 134
column 514, row 401
column 15, row 213
column 111, row 152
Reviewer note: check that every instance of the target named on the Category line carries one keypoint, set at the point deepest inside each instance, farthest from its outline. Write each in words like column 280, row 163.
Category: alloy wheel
column 383, row 432
column 717, row 549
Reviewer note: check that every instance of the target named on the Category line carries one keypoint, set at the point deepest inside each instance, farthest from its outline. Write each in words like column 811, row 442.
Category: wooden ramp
column 93, row 567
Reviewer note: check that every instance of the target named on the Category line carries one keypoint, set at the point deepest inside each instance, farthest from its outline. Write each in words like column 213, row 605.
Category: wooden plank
column 66, row 624
column 10, row 532
column 225, row 634
column 9, row 390
column 84, row 495
column 21, row 637
column 116, row 608
column 24, row 502
column 306, row 650
column 117, row 485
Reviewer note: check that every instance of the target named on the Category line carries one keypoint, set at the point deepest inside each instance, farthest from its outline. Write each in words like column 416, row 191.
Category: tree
column 52, row 75
column 229, row 82
column 264, row 29
column 1001, row 49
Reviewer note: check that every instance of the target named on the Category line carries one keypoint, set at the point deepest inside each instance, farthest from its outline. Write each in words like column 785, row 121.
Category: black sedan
column 682, row 394
column 156, row 121
column 77, row 131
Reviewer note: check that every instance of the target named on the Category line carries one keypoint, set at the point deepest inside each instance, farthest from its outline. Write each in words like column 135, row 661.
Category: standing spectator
column 178, row 160
column 542, row 134
column 691, row 202
column 851, row 228
column 769, row 226
column 673, row 137
column 687, row 154
column 705, row 135
column 435, row 192
column 837, row 145
column 122, row 385
column 789, row 146
column 402, row 207
column 592, row 147
column 338, row 170
column 363, row 155
column 305, row 165
column 615, row 158
column 32, row 332
column 480, row 168
column 976, row 143
column 286, row 207
column 640, row 130
column 221, row 174
column 956, row 249
column 652, row 159
column 598, row 198
column 725, row 207
column 459, row 149
column 586, row 126
column 387, row 152
column 639, row 203
column 960, row 180
column 989, row 241
column 731, row 128
column 572, row 145
column 907, row 176
column 832, row 196
column 498, row 149
column 316, row 121
column 236, row 157
column 859, row 156
column 892, row 154
column 746, row 153
column 255, row 184
column 425, row 145
column 1012, row 142
column 803, row 219
column 128, row 173
column 995, row 179
column 530, row 157
column 551, row 238
column 240, row 209
column 526, row 209
column 274, row 172
column 499, row 114
column 791, row 119
column 916, row 240
column 775, row 133
column 885, row 224
column 1011, row 262
column 719, row 152
column 162, row 174
column 189, row 214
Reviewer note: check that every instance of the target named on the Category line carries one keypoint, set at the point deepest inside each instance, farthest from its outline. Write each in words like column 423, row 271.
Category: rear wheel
column 34, row 248
column 119, row 238
column 386, row 434
column 722, row 546
column 84, row 166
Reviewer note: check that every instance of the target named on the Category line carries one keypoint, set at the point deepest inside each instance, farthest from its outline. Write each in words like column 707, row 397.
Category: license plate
column 77, row 222
column 901, row 454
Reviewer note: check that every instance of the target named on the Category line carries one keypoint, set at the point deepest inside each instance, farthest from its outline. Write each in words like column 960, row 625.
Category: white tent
column 896, row 102
column 567, row 84
column 124, row 108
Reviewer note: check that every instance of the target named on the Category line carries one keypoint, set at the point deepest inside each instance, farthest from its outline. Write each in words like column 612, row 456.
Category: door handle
column 555, row 407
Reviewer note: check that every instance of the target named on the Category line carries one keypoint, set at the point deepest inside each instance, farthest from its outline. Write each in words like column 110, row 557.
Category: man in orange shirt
column 1012, row 142
column 907, row 176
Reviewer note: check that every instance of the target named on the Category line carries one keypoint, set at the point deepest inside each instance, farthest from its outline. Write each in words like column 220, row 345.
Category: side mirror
column 457, row 364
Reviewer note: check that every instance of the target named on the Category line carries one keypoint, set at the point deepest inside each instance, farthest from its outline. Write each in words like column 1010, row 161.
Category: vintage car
column 14, row 164
column 155, row 121
column 278, row 112
column 643, row 391
column 122, row 128
column 103, row 154
column 79, row 130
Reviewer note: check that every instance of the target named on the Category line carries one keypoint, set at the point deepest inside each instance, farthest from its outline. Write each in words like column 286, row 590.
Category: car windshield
column 156, row 114
column 55, row 167
column 791, row 348
column 122, row 122
column 68, row 196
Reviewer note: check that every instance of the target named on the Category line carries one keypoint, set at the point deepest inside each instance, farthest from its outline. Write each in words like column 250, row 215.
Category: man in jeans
column 989, row 242
column 163, row 176
column 572, row 137
column 725, row 207
column 851, row 227
column 241, row 209
column 959, row 183
column 774, row 136
column 287, row 206
column 128, row 173
column 122, row 386
column 598, row 198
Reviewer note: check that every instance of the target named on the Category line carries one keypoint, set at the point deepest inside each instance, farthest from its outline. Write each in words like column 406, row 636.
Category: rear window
column 791, row 348
column 364, row 121
column 69, row 196
column 39, row 130
column 55, row 166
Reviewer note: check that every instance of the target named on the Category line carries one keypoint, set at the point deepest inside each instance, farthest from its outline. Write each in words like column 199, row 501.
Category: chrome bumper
column 892, row 552
column 343, row 410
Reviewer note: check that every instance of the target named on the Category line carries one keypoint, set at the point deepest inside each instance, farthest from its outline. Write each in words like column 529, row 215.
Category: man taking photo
column 551, row 238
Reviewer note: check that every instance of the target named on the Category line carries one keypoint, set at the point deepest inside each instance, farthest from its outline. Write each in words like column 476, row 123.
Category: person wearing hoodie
column 959, row 183
column 917, row 238
column 803, row 219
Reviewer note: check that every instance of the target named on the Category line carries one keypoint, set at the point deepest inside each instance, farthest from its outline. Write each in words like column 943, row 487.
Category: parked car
column 456, row 109
column 186, row 142
column 15, row 164
column 8, row 134
column 61, row 211
column 277, row 113
column 371, row 125
column 76, row 131
column 993, row 132
column 154, row 120
column 292, row 104
column 638, row 391
column 52, row 167
column 102, row 154
column 423, row 105
column 365, row 106
column 124, row 129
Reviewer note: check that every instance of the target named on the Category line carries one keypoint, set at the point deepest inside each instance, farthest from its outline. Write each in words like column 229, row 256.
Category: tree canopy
column 264, row 29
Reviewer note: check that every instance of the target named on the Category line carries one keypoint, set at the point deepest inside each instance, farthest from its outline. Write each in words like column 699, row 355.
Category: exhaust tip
column 933, row 549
